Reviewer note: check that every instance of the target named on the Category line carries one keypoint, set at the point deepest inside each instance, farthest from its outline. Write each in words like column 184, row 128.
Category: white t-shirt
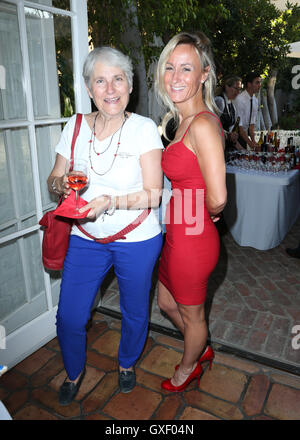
column 139, row 135
column 242, row 105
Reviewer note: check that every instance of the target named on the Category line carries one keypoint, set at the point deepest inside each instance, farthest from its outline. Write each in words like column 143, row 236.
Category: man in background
column 246, row 105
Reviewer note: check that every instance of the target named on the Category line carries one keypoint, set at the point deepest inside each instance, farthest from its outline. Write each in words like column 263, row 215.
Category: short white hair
column 109, row 56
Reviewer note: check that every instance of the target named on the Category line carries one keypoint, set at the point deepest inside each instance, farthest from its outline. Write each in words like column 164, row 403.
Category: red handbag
column 57, row 229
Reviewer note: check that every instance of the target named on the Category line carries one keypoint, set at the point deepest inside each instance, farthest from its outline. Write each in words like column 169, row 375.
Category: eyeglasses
column 237, row 88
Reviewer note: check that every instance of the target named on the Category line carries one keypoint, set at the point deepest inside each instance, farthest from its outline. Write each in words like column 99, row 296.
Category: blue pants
column 85, row 267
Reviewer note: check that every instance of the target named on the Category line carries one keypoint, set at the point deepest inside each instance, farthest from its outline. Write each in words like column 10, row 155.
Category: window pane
column 12, row 96
column 7, row 229
column 47, row 138
column 51, row 63
column 7, row 209
column 35, row 267
column 61, row 4
column 12, row 292
column 16, row 192
column 22, row 292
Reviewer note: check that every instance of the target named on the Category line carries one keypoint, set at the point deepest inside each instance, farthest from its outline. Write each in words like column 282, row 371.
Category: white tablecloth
column 261, row 208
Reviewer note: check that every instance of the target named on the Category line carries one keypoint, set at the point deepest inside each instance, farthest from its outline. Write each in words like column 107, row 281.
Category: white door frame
column 31, row 336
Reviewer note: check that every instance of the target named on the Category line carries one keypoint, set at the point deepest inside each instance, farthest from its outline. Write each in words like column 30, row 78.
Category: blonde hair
column 203, row 48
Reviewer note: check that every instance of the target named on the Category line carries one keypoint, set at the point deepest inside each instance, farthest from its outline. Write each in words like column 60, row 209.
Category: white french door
column 42, row 47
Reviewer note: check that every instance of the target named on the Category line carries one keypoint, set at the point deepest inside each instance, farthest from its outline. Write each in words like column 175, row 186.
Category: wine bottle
column 292, row 150
column 260, row 141
column 264, row 145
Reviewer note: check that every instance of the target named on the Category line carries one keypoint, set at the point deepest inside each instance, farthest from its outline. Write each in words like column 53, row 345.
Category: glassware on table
column 273, row 162
column 256, row 160
column 268, row 165
column 251, row 159
column 231, row 158
column 77, row 172
column 287, row 157
column 235, row 158
column 261, row 161
column 277, row 162
column 282, row 161
column 247, row 160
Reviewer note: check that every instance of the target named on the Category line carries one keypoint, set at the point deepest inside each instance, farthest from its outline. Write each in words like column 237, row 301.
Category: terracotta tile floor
column 234, row 388
column 253, row 301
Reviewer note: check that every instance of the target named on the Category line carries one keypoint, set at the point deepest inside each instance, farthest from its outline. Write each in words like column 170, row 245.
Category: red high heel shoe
column 207, row 356
column 196, row 373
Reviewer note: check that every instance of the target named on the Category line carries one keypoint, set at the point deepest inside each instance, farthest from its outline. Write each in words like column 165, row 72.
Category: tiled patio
column 253, row 301
column 253, row 305
column 234, row 389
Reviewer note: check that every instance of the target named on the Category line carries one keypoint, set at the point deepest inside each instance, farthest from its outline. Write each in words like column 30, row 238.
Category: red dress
column 192, row 246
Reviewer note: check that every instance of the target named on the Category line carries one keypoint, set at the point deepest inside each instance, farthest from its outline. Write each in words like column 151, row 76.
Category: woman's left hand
column 97, row 206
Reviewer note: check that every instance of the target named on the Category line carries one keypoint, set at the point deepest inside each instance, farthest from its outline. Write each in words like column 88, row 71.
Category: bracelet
column 110, row 210
column 54, row 189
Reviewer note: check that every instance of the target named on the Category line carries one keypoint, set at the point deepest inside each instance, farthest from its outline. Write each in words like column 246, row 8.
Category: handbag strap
column 74, row 138
column 121, row 234
column 75, row 134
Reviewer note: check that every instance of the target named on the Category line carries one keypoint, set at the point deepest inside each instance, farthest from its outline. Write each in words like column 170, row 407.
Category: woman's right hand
column 57, row 180
column 61, row 186
column 65, row 186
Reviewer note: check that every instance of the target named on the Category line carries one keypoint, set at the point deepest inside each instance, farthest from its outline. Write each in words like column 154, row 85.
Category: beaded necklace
column 92, row 143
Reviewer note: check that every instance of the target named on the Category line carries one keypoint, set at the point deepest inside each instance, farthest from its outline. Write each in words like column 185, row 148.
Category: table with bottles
column 263, row 196
column 264, row 162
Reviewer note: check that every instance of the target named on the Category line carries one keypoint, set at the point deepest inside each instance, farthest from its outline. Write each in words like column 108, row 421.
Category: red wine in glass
column 77, row 181
column 77, row 175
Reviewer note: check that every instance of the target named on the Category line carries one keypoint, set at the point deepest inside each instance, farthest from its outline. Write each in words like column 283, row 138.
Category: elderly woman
column 194, row 162
column 123, row 151
column 231, row 87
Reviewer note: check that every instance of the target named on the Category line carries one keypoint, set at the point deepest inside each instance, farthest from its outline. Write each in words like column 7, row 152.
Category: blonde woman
column 194, row 162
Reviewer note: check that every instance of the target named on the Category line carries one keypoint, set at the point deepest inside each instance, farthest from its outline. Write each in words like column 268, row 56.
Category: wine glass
column 269, row 162
column 251, row 159
column 77, row 172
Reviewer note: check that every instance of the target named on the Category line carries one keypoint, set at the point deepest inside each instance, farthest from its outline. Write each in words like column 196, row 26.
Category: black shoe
column 293, row 252
column 127, row 380
column 68, row 390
